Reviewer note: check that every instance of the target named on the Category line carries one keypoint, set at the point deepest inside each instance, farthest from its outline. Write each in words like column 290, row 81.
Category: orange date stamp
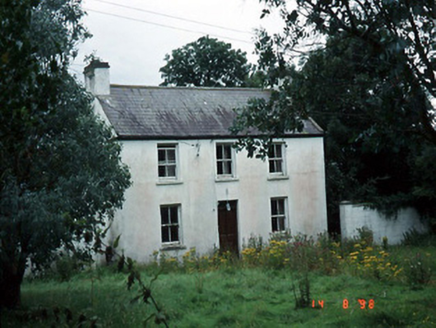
column 361, row 302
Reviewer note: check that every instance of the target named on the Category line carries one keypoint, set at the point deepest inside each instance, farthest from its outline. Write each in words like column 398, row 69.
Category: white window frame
column 280, row 216
column 170, row 225
column 166, row 163
column 223, row 161
column 274, row 159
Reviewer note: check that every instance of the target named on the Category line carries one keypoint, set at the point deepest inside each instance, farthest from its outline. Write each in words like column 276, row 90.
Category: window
column 278, row 214
column 167, row 161
column 170, row 223
column 275, row 158
column 224, row 160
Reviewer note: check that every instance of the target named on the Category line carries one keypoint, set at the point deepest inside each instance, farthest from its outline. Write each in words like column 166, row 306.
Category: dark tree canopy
column 206, row 62
column 369, row 85
column 60, row 172
column 401, row 33
column 371, row 135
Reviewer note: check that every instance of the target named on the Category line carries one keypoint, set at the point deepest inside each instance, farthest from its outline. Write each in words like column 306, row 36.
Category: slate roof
column 138, row 112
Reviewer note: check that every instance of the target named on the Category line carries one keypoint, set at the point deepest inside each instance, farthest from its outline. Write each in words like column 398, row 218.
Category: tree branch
column 428, row 71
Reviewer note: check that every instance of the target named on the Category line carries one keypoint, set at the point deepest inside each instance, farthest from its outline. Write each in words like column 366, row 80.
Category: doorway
column 228, row 226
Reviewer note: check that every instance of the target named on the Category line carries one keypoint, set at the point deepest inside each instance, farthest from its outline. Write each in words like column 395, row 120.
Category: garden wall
column 355, row 216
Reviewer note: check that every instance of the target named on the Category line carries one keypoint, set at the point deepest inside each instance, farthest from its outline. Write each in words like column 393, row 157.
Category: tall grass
column 256, row 291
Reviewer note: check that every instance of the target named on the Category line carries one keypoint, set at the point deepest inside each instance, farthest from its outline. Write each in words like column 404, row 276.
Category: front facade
column 191, row 188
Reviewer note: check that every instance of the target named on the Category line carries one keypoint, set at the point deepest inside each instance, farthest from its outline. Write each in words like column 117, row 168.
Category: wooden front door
column 228, row 226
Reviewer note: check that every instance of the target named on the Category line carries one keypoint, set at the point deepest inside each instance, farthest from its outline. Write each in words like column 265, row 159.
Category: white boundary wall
column 355, row 216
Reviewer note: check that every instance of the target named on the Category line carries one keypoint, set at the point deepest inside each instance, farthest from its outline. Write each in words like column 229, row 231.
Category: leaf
column 292, row 17
column 130, row 280
column 264, row 13
column 116, row 242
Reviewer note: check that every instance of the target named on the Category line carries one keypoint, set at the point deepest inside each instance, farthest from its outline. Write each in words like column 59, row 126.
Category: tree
column 402, row 33
column 206, row 62
column 60, row 172
column 368, row 84
column 371, row 139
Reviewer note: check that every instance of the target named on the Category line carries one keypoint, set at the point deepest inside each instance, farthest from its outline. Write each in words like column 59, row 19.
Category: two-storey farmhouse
column 190, row 187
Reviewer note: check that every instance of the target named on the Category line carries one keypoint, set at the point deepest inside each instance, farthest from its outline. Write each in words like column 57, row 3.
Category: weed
column 302, row 293
column 66, row 265
column 365, row 235
column 418, row 272
column 415, row 238
column 385, row 243
column 199, row 282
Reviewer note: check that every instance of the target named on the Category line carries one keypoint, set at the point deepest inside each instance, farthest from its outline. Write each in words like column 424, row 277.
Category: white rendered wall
column 354, row 216
column 198, row 191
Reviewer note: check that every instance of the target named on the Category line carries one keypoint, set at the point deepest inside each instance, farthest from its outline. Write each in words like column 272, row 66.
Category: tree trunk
column 10, row 285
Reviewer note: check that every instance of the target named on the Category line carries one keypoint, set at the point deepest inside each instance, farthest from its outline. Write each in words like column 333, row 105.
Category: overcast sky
column 134, row 35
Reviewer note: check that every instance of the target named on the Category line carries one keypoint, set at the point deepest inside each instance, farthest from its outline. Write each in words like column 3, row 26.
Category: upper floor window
column 224, row 160
column 278, row 214
column 275, row 158
column 167, row 161
column 170, row 223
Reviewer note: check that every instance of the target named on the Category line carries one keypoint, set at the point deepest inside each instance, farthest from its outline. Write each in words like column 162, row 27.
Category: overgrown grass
column 230, row 298
column 219, row 291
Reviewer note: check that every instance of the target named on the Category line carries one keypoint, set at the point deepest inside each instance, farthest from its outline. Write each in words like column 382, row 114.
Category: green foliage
column 252, row 297
column 211, row 295
column 297, row 253
column 67, row 265
column 302, row 293
column 61, row 317
column 415, row 238
column 401, row 32
column 61, row 176
column 368, row 86
column 135, row 278
column 368, row 260
column 210, row 63
column 418, row 272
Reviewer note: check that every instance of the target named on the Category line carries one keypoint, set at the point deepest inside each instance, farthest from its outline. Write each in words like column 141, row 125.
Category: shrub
column 415, row 238
column 251, row 256
column 365, row 235
column 276, row 254
column 192, row 261
column 164, row 262
column 371, row 261
column 418, row 271
column 66, row 265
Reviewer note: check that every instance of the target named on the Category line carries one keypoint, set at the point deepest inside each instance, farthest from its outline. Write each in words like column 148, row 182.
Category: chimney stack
column 97, row 78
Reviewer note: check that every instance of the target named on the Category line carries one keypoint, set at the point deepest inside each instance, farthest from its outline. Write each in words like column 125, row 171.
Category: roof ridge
column 187, row 88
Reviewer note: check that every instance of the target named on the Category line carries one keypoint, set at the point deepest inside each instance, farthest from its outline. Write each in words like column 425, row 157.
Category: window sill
column 172, row 247
column 278, row 177
column 226, row 179
column 168, row 182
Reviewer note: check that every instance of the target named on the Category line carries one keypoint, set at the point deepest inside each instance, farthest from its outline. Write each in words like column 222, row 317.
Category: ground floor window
column 278, row 214
column 170, row 223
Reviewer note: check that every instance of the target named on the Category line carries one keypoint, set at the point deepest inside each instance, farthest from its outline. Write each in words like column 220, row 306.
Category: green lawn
column 231, row 296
